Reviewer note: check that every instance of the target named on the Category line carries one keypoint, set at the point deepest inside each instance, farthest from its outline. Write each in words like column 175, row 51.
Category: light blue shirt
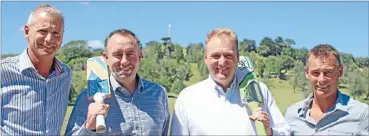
column 346, row 117
column 144, row 113
column 30, row 103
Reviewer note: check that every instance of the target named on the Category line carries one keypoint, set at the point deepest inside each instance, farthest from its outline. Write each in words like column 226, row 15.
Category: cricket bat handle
column 100, row 124
column 100, row 119
column 260, row 129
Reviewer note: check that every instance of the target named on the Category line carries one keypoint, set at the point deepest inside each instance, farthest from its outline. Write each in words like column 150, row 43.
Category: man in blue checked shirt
column 137, row 106
column 326, row 111
column 35, row 85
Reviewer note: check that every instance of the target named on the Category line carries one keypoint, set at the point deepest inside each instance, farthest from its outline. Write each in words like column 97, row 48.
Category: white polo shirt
column 204, row 109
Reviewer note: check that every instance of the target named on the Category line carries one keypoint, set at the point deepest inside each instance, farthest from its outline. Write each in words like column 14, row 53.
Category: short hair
column 324, row 51
column 45, row 8
column 123, row 32
column 220, row 31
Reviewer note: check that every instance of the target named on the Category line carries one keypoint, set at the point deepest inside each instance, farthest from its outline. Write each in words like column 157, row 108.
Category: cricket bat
column 98, row 86
column 250, row 91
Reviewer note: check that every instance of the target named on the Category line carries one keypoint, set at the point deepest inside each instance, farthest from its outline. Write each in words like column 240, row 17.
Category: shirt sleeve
column 277, row 121
column 76, row 124
column 364, row 121
column 167, row 114
column 179, row 121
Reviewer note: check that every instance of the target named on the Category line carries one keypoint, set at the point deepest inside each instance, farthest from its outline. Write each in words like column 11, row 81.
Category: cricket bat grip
column 100, row 119
column 260, row 129
column 100, row 124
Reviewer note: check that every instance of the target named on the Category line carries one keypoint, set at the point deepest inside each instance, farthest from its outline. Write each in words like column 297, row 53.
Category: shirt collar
column 26, row 63
column 341, row 104
column 219, row 88
column 117, row 87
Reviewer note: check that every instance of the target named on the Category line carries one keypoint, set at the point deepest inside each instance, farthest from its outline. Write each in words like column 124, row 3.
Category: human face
column 44, row 35
column 123, row 57
column 323, row 75
column 221, row 58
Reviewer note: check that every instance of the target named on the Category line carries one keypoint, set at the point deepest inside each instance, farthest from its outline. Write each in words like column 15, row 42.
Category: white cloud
column 85, row 3
column 95, row 44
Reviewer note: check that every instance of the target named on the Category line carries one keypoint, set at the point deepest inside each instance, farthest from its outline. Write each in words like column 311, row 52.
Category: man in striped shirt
column 35, row 85
column 137, row 106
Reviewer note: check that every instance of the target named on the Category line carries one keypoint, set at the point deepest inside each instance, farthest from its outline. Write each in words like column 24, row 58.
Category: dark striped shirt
column 144, row 113
column 30, row 103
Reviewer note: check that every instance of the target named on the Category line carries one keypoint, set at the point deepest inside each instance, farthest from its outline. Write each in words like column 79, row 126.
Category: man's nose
column 321, row 77
column 222, row 60
column 48, row 37
column 124, row 59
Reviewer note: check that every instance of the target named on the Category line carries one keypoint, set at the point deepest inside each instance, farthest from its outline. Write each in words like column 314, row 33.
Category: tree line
column 169, row 64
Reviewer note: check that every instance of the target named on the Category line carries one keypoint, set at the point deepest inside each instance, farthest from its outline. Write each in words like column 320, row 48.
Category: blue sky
column 342, row 24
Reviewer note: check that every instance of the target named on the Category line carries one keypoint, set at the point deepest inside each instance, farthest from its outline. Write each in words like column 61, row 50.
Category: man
column 326, row 111
column 214, row 106
column 35, row 85
column 137, row 106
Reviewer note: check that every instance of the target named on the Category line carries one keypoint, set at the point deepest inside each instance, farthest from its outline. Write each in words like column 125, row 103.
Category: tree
column 263, row 50
column 247, row 45
column 79, row 82
column 260, row 67
column 75, row 49
column 288, row 51
column 289, row 42
column 347, row 58
column 266, row 47
column 300, row 54
column 97, row 52
column 178, row 53
column 78, row 64
column 298, row 80
column 195, row 52
column 204, row 71
column 177, row 86
column 362, row 62
column 357, row 83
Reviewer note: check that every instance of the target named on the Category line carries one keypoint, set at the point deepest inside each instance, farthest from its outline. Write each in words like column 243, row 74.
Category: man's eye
column 56, row 33
column 215, row 56
column 117, row 54
column 42, row 31
column 328, row 73
column 228, row 56
column 315, row 73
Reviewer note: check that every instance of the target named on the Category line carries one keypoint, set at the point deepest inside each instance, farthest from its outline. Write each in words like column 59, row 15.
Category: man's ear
column 26, row 31
column 105, row 56
column 140, row 55
column 205, row 57
column 238, row 56
column 306, row 71
column 340, row 70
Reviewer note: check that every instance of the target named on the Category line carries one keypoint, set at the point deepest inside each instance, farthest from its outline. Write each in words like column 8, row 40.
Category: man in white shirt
column 214, row 106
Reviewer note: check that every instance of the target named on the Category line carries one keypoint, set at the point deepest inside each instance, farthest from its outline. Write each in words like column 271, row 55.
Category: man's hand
column 261, row 115
column 95, row 109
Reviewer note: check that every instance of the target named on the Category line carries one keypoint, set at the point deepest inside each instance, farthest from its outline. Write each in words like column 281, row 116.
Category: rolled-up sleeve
column 364, row 124
column 277, row 121
column 167, row 113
